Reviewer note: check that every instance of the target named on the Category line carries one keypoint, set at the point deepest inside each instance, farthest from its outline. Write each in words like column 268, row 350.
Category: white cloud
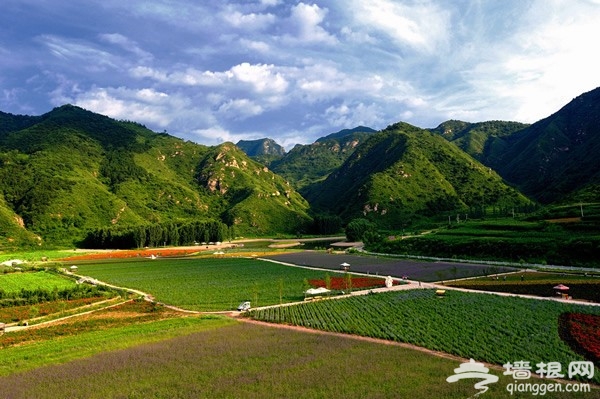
column 297, row 70
column 252, row 21
column 423, row 26
column 255, row 45
column 349, row 116
column 240, row 109
column 263, row 78
column 127, row 44
column 78, row 52
column 305, row 20
column 214, row 135
column 143, row 105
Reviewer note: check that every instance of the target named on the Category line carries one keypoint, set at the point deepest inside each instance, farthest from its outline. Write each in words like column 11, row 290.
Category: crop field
column 225, row 359
column 14, row 282
column 414, row 270
column 581, row 287
column 16, row 313
column 484, row 327
column 208, row 284
column 544, row 242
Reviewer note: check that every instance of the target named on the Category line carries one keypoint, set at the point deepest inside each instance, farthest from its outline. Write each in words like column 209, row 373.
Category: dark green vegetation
column 404, row 174
column 36, row 287
column 208, row 284
column 551, row 160
column 484, row 327
column 538, row 284
column 573, row 243
column 154, row 235
column 484, row 141
column 71, row 171
column 306, row 165
column 71, row 174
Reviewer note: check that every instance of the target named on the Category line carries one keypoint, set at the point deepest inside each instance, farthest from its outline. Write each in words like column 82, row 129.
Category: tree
column 356, row 229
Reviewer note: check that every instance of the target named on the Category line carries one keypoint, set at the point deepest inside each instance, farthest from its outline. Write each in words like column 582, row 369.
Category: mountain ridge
column 70, row 171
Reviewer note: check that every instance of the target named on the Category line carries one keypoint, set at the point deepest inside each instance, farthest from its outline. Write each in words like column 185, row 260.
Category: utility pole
column 581, row 207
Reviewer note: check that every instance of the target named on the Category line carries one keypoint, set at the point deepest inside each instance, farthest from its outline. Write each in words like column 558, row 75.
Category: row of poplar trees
column 159, row 234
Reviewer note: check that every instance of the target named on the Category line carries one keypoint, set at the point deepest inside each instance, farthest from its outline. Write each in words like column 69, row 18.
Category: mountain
column 307, row 164
column 262, row 150
column 255, row 196
column 71, row 171
column 484, row 141
column 557, row 157
column 405, row 172
column 346, row 132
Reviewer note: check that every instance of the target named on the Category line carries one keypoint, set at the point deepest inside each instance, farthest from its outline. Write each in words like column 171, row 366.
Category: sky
column 215, row 71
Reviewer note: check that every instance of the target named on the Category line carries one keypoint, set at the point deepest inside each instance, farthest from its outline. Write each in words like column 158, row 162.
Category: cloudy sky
column 214, row 71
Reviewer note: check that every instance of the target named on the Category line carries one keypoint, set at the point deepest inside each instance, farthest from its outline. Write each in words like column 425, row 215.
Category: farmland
column 485, row 327
column 14, row 282
column 382, row 266
column 581, row 287
column 139, row 349
column 553, row 242
column 209, row 284
column 220, row 358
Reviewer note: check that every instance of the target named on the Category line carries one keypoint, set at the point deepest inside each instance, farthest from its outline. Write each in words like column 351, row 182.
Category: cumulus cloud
column 252, row 21
column 305, row 23
column 211, row 71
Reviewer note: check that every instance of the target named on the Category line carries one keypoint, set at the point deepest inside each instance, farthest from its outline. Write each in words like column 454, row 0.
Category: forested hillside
column 308, row 164
column 405, row 173
column 71, row 171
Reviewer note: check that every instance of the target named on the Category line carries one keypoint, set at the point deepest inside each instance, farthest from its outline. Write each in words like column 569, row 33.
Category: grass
column 54, row 349
column 14, row 282
column 240, row 360
column 208, row 284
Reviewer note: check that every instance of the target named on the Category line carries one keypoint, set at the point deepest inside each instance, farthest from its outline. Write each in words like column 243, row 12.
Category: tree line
column 158, row 234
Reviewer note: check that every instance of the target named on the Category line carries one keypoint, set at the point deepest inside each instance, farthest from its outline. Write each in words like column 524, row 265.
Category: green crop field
column 208, row 284
column 15, row 282
column 484, row 327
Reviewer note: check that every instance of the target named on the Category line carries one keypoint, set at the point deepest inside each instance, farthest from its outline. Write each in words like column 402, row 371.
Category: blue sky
column 214, row 71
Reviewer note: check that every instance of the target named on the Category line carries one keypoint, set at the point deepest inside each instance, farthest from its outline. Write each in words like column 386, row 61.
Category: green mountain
column 405, row 172
column 308, row 164
column 255, row 197
column 262, row 150
column 71, row 171
column 346, row 132
column 557, row 157
column 484, row 141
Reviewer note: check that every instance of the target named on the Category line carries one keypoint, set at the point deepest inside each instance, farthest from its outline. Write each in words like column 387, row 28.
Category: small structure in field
column 440, row 292
column 389, row 281
column 562, row 290
column 73, row 268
